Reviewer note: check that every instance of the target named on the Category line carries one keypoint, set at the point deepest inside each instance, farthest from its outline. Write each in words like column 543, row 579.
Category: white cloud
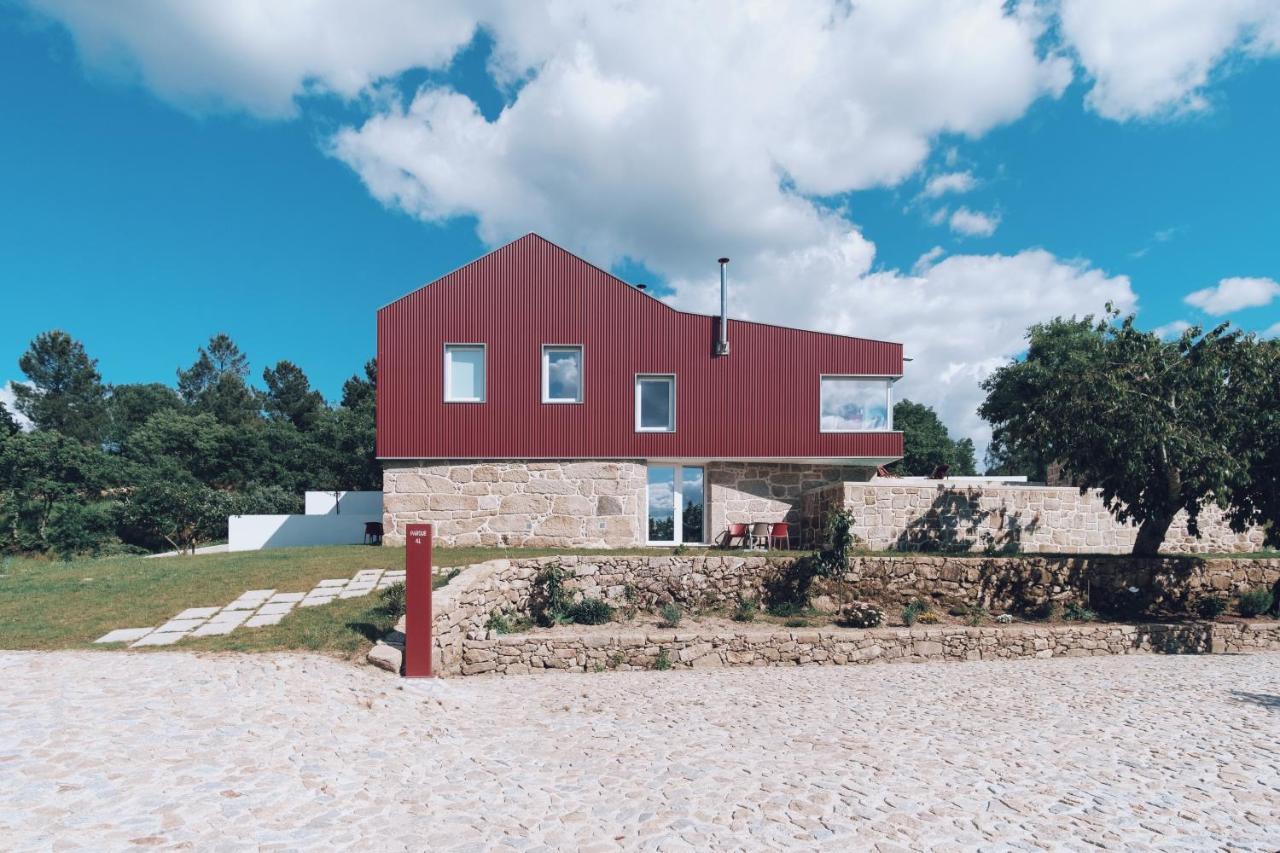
column 1233, row 294
column 7, row 399
column 949, row 182
column 1273, row 332
column 1172, row 330
column 973, row 223
column 1153, row 59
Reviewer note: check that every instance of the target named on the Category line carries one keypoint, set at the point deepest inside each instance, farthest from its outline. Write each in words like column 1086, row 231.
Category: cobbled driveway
column 107, row 750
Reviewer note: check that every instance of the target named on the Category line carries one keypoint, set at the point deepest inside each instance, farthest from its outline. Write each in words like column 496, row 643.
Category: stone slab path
column 280, row 752
column 254, row 608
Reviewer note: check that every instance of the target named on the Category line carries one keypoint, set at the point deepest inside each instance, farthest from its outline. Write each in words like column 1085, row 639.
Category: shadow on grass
column 371, row 631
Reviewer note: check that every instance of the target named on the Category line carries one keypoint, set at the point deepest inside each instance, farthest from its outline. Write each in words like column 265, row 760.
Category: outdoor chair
column 373, row 533
column 780, row 535
column 735, row 531
column 760, row 534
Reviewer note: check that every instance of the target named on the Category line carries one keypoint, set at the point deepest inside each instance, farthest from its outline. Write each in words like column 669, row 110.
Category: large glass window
column 464, row 371
column 854, row 404
column 562, row 374
column 655, row 403
column 676, row 504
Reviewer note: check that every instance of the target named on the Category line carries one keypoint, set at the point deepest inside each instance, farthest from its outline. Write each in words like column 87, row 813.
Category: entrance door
column 676, row 504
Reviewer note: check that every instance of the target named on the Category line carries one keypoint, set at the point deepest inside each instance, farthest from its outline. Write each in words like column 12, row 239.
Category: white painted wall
column 322, row 524
column 352, row 503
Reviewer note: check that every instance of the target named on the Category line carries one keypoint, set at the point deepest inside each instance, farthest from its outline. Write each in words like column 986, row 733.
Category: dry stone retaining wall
column 1007, row 519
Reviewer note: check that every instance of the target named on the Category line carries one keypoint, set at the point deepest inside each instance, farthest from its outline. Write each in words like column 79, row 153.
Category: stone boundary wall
column 464, row 605
column 747, row 492
column 591, row 652
column 1006, row 519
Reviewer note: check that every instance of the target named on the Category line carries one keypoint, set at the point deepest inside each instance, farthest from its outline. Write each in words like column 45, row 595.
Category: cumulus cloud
column 973, row 223
column 949, row 182
column 1153, row 59
column 1273, row 332
column 1233, row 294
column 7, row 399
column 1172, row 330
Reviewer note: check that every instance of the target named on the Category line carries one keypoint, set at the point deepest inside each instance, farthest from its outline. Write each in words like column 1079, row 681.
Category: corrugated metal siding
column 760, row 401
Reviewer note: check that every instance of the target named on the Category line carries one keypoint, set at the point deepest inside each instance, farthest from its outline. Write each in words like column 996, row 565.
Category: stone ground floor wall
column 747, row 492
column 596, row 652
column 1015, row 584
column 1012, row 519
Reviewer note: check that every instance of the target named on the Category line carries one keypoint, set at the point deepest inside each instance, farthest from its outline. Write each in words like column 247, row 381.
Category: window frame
column 888, row 399
column 546, row 374
column 638, row 403
column 677, row 516
column 447, row 390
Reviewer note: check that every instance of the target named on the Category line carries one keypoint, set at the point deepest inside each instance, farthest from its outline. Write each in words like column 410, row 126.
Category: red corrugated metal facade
column 759, row 402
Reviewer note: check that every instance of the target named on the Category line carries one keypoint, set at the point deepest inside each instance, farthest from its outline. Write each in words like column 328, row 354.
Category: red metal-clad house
column 530, row 398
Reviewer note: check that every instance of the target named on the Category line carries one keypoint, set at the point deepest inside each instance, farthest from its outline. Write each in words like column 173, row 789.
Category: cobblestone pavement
column 106, row 750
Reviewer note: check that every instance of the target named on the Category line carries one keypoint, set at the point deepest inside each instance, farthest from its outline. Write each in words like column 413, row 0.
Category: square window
column 655, row 403
column 854, row 404
column 562, row 374
column 464, row 373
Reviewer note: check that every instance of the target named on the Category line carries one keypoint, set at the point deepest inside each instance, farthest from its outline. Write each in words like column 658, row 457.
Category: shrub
column 549, row 601
column 393, row 600
column 1046, row 612
column 669, row 615
column 860, row 614
column 590, row 611
column 1004, row 618
column 796, row 622
column 1079, row 613
column 977, row 615
column 912, row 612
column 502, row 623
column 1211, row 606
column 744, row 610
column 663, row 661
column 928, row 617
column 1255, row 602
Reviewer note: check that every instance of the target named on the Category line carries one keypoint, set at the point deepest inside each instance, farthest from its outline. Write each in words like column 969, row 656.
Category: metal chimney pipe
column 722, row 344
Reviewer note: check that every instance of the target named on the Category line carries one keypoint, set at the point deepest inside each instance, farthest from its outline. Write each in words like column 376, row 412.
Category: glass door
column 676, row 505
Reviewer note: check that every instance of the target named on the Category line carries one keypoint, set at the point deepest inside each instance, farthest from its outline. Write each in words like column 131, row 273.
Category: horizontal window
column 655, row 403
column 855, row 404
column 562, row 374
column 464, row 373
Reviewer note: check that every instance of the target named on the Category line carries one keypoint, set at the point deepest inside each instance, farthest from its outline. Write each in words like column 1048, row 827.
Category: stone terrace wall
column 594, row 652
column 914, row 517
column 523, row 504
column 747, row 492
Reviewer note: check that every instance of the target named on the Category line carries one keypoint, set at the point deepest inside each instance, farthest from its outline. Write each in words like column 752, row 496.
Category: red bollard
column 417, row 602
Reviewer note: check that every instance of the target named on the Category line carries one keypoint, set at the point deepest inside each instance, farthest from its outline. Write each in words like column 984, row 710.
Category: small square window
column 562, row 374
column 655, row 403
column 464, row 373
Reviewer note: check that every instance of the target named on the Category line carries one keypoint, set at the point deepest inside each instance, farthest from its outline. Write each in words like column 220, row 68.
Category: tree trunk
column 1151, row 536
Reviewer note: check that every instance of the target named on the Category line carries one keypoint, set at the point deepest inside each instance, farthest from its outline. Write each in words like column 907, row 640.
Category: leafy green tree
column 361, row 394
column 1256, row 440
column 177, row 509
column 131, row 406
column 216, row 384
column 65, row 393
column 1006, row 459
column 1148, row 422
column 8, row 423
column 41, row 473
column 289, row 396
column 926, row 443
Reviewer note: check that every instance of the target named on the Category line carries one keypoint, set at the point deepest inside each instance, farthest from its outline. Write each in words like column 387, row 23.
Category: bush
column 977, row 615
column 1211, row 606
column 549, row 602
column 912, row 612
column 1079, row 613
column 590, row 611
column 393, row 600
column 796, row 622
column 1255, row 602
column 1004, row 618
column 1045, row 612
column 663, row 661
column 860, row 614
column 744, row 610
column 669, row 615
column 928, row 617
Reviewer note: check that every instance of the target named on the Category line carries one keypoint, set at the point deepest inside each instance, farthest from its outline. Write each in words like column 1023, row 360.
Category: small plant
column 977, row 615
column 958, row 610
column 679, row 550
column 860, row 614
column 796, row 622
column 783, row 609
column 669, row 615
column 744, row 610
column 590, row 611
column 1078, row 613
column 498, row 623
column 1004, row 618
column 616, row 660
column 911, row 613
column 1211, row 606
column 928, row 617
column 548, row 599
column 1045, row 612
column 663, row 661
column 393, row 600
column 1255, row 602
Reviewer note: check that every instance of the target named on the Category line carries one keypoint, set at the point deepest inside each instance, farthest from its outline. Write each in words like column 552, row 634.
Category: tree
column 8, row 423
column 177, row 508
column 215, row 383
column 289, row 396
column 1256, row 500
column 926, row 444
column 1148, row 422
column 43, row 473
column 65, row 393
column 131, row 406
column 361, row 394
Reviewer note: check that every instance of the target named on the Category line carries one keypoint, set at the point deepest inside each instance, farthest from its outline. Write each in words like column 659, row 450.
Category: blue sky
column 154, row 196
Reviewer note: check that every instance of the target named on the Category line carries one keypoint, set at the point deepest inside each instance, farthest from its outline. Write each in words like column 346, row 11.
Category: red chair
column 735, row 531
column 780, row 533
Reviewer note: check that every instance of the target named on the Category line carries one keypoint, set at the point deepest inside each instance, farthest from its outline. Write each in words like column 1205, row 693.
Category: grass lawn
column 50, row 604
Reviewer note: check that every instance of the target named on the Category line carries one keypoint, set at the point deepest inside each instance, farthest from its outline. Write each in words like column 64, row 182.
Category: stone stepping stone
column 355, row 593
column 316, row 601
column 281, row 608
column 197, row 613
column 179, row 625
column 242, row 605
column 291, row 597
column 230, row 617
column 331, row 582
column 124, row 635
column 264, row 620
column 160, row 638
column 214, row 629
